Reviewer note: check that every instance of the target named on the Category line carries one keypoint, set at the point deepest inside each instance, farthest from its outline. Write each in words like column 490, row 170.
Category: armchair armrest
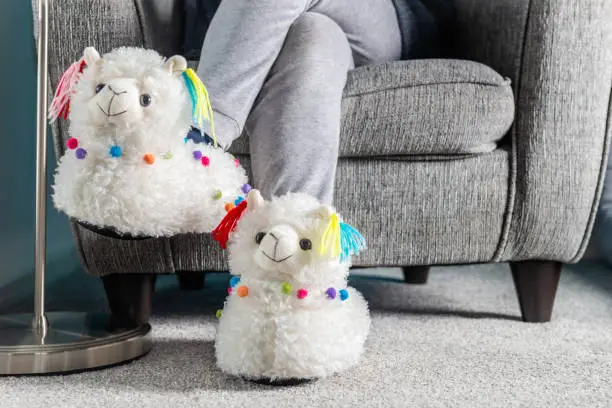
column 559, row 55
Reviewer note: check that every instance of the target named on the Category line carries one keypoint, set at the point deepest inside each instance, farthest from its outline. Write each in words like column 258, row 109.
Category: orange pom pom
column 149, row 158
column 229, row 206
column 243, row 291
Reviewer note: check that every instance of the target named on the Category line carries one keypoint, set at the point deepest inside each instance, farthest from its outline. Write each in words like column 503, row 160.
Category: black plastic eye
column 259, row 237
column 100, row 87
column 145, row 99
column 305, row 244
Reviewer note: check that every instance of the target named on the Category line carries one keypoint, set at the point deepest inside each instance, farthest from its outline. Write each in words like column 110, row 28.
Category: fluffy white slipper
column 128, row 165
column 289, row 313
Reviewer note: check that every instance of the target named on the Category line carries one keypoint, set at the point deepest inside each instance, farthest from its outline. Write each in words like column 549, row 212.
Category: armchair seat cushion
column 421, row 108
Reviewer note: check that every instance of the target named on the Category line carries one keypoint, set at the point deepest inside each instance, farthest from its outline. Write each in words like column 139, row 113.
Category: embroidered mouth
column 108, row 115
column 274, row 260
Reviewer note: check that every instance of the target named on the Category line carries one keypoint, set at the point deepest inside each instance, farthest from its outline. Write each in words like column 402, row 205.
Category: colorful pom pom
column 238, row 200
column 218, row 194
column 236, row 162
column 205, row 161
column 197, row 155
column 331, row 293
column 246, row 188
column 286, row 288
column 243, row 291
column 302, row 293
column 80, row 153
column 219, row 313
column 167, row 156
column 115, row 151
column 149, row 158
column 229, row 207
column 344, row 294
column 72, row 143
column 234, row 281
column 229, row 290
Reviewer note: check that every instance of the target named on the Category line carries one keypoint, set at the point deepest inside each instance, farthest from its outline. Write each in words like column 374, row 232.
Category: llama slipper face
column 131, row 162
column 289, row 313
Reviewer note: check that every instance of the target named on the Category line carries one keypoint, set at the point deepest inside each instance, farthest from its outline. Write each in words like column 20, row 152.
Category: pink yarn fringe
column 60, row 105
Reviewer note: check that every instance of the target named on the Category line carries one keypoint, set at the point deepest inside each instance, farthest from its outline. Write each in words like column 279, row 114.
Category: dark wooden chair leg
column 416, row 274
column 130, row 298
column 190, row 280
column 536, row 285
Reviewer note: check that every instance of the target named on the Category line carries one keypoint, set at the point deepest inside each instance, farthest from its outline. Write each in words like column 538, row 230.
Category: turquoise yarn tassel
column 351, row 241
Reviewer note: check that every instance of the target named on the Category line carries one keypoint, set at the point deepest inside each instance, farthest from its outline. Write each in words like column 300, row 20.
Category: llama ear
column 324, row 211
column 176, row 65
column 255, row 200
column 91, row 56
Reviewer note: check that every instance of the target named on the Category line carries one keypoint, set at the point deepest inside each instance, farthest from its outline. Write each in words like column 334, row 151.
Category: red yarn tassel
column 228, row 224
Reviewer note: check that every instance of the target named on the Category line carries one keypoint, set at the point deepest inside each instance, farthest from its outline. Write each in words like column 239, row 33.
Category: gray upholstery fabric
column 424, row 107
column 421, row 107
column 559, row 55
column 532, row 198
column 561, row 135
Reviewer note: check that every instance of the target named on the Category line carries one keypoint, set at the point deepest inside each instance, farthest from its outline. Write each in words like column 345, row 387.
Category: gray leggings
column 276, row 69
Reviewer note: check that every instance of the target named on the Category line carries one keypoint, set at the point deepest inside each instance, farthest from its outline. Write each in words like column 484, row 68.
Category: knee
column 319, row 48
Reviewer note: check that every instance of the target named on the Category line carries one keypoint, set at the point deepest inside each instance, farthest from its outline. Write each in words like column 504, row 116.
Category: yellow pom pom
column 219, row 313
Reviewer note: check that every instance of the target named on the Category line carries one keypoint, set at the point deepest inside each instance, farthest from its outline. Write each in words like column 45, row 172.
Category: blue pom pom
column 234, row 281
column 238, row 200
column 115, row 151
column 343, row 294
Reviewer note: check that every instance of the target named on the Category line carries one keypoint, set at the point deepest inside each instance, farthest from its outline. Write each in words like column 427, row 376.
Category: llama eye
column 259, row 237
column 100, row 87
column 305, row 244
column 145, row 99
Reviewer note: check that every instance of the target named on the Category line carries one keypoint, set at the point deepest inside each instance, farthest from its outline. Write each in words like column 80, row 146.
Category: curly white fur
column 176, row 193
column 274, row 335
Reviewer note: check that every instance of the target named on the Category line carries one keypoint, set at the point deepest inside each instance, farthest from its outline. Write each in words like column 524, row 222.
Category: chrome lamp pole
column 59, row 342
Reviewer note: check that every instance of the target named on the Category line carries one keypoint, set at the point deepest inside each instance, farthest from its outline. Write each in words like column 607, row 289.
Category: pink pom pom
column 205, row 161
column 236, row 162
column 72, row 143
column 302, row 293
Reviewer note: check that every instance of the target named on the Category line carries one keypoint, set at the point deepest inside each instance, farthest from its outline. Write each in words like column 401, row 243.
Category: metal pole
column 39, row 321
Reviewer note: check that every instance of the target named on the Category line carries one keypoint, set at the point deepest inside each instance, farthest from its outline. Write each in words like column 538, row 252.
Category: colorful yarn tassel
column 228, row 223
column 60, row 105
column 351, row 241
column 201, row 108
column 330, row 241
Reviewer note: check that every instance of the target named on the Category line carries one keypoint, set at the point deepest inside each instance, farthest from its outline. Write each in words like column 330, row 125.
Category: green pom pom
column 219, row 313
column 286, row 288
column 218, row 195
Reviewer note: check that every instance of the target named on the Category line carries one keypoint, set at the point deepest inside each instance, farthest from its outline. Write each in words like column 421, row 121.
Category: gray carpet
column 456, row 342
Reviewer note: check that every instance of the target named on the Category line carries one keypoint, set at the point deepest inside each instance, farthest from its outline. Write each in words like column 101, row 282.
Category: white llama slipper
column 129, row 165
column 289, row 314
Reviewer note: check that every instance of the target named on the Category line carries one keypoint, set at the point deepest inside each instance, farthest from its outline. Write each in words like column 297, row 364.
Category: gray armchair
column 495, row 154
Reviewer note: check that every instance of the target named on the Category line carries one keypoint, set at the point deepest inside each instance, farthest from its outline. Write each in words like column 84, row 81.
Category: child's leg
column 294, row 126
column 246, row 36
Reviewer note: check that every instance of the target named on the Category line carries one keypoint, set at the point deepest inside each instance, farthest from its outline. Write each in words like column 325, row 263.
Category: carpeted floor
column 455, row 342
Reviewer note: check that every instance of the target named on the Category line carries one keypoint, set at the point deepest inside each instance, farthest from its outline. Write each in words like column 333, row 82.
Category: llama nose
column 280, row 243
